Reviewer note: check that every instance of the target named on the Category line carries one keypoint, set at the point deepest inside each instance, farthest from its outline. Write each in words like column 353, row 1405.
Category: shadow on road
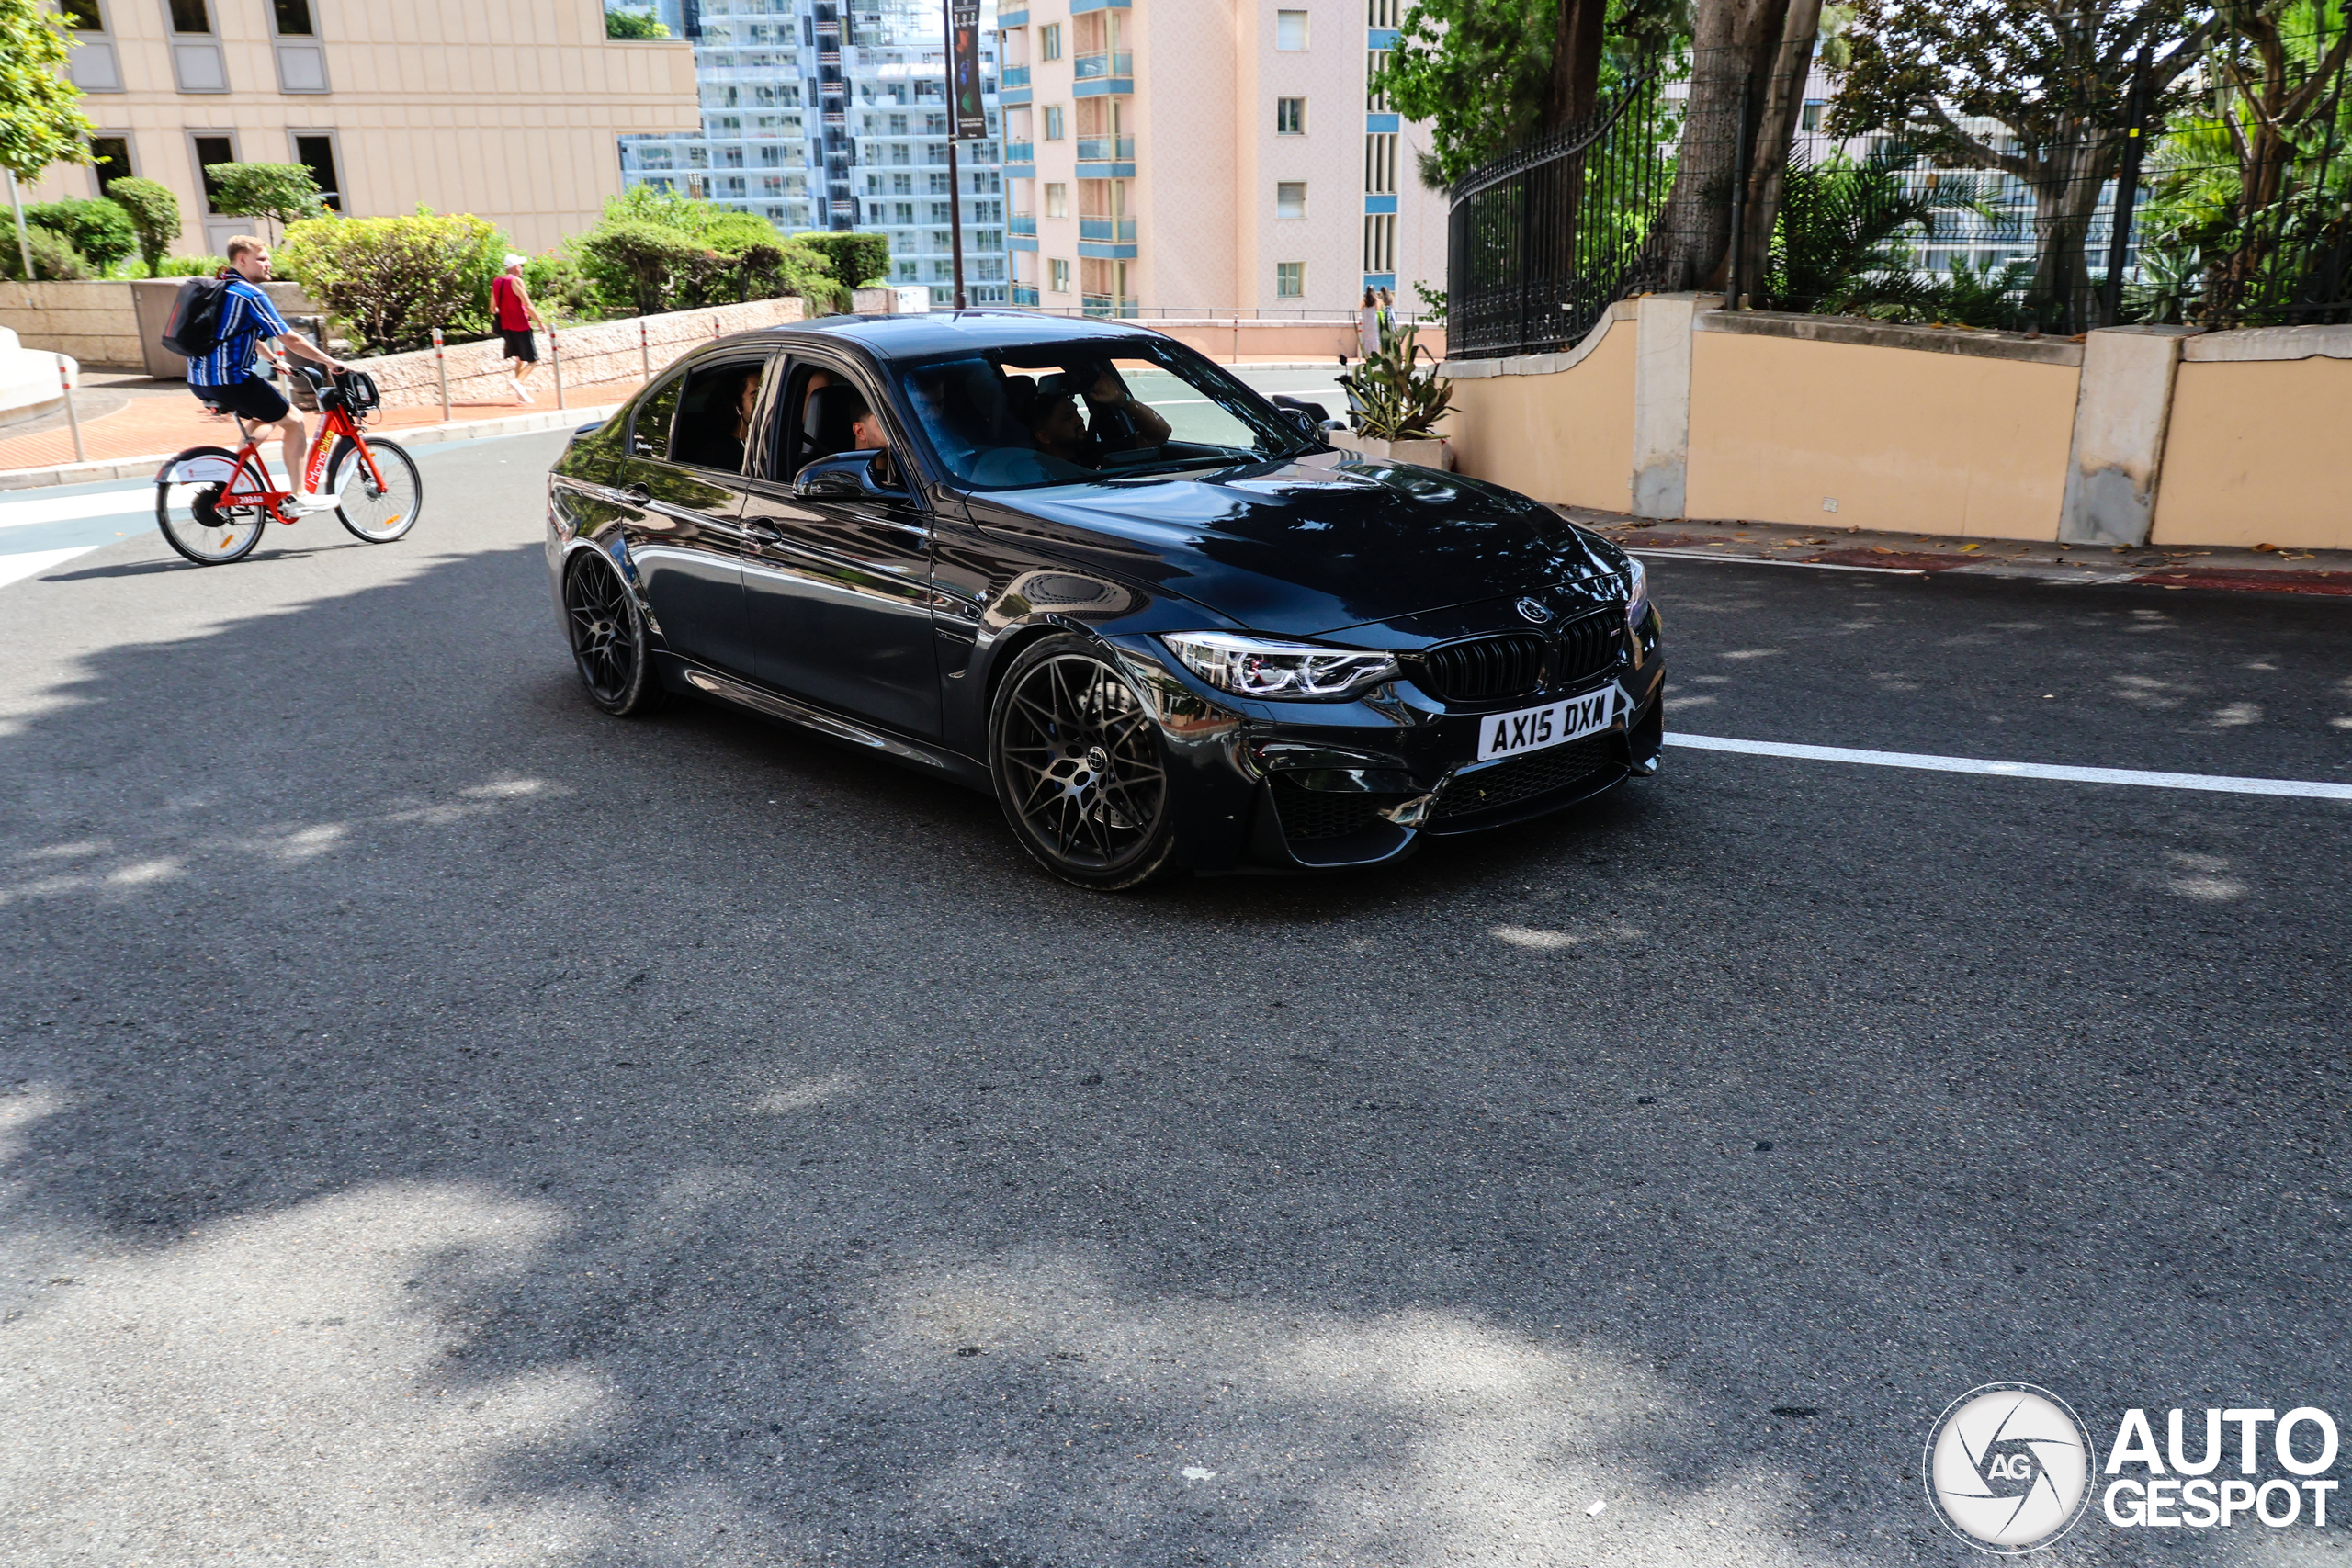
column 442, row 1125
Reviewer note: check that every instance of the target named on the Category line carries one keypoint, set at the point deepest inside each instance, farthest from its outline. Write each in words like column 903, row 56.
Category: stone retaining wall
column 98, row 323
column 598, row 354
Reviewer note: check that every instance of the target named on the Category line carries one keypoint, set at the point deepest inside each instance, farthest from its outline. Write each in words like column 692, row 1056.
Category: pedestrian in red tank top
column 512, row 310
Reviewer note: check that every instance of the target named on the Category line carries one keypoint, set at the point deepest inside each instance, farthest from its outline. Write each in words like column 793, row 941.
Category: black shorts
column 253, row 396
column 522, row 345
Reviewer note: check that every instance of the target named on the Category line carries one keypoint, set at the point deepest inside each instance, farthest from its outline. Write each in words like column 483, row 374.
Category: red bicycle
column 212, row 504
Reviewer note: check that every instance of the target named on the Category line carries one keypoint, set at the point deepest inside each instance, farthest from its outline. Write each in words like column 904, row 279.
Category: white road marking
column 32, row 563
column 1761, row 561
column 2219, row 783
column 140, row 502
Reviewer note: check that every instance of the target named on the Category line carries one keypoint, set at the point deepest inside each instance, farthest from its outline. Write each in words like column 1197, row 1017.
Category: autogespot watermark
column 2010, row 1469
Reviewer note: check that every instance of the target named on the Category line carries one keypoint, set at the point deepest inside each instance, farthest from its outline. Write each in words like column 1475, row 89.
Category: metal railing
column 1116, row 307
column 1118, row 230
column 1102, row 64
column 1013, row 76
column 1106, row 149
column 1022, row 223
column 1026, row 295
column 1020, row 152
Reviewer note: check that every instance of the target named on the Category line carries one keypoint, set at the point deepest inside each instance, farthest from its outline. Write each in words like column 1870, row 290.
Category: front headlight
column 1258, row 667
column 1637, row 593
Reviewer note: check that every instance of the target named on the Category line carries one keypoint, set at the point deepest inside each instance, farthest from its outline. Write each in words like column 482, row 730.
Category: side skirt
column 688, row 676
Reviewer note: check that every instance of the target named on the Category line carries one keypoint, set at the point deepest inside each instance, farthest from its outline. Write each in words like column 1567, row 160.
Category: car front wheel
column 1076, row 756
column 608, row 640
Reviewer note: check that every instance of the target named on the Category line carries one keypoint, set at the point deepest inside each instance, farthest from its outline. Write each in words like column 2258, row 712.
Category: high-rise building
column 1167, row 154
column 832, row 114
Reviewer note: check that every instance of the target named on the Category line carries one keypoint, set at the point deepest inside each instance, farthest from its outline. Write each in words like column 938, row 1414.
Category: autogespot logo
column 2008, row 1468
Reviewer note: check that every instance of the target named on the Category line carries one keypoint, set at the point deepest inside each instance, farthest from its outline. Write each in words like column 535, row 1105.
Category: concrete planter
column 1431, row 453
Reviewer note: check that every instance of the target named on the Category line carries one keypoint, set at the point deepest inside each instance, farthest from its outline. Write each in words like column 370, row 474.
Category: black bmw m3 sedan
column 1078, row 565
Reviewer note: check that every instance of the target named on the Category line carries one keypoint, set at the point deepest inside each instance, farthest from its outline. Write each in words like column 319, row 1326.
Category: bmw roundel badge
column 1535, row 610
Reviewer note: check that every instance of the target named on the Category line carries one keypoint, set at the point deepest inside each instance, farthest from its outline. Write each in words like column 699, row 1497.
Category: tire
column 610, row 646
column 378, row 517
column 186, row 517
column 1079, row 769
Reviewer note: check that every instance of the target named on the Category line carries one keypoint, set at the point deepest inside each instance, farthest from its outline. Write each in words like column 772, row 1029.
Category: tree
column 40, row 118
column 633, row 24
column 154, row 217
column 1478, row 72
column 99, row 230
column 2056, row 76
column 286, row 194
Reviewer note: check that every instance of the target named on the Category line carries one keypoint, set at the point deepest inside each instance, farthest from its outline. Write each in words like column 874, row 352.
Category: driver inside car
column 1108, row 418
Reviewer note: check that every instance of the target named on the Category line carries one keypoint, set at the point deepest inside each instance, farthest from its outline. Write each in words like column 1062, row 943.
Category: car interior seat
column 825, row 428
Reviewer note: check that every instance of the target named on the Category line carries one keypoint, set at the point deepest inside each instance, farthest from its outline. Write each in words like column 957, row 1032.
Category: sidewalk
column 1919, row 554
column 143, row 430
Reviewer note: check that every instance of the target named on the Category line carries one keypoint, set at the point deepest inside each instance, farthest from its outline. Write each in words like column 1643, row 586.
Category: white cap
column 516, row 259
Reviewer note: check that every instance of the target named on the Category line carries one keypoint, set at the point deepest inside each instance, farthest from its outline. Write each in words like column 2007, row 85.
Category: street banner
column 964, row 69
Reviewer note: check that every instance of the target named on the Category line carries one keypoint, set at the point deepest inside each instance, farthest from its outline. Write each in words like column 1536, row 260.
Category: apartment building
column 1173, row 154
column 509, row 111
column 822, row 115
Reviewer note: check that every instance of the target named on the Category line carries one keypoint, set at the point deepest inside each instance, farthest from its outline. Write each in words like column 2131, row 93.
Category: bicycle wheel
column 376, row 516
column 188, row 511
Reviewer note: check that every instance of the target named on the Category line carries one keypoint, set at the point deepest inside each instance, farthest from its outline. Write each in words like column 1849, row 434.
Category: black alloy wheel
column 609, row 642
column 1078, row 769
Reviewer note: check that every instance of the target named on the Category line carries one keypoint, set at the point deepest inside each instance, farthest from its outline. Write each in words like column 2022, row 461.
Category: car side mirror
column 1308, row 423
column 844, row 475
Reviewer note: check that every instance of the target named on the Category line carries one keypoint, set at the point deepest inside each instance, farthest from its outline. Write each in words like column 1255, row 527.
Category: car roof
column 925, row 333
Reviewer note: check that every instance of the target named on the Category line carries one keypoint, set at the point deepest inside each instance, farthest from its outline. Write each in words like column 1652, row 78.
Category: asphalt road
column 442, row 1126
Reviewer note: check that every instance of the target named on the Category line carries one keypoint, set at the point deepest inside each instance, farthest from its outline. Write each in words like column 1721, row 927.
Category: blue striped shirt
column 246, row 315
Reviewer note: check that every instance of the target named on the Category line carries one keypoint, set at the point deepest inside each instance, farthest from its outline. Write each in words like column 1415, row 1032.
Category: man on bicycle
column 225, row 378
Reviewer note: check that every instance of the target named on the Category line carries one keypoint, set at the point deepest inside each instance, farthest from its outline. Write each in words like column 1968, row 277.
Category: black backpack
column 194, row 330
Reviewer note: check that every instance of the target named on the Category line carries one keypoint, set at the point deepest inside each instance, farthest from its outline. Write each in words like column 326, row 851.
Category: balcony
column 1025, row 294
column 1112, row 231
column 1110, row 305
column 1020, row 152
column 1013, row 76
column 1022, row 223
column 1103, row 63
column 1106, row 149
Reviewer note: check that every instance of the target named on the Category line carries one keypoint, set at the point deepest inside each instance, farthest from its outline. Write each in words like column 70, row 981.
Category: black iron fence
column 2234, row 210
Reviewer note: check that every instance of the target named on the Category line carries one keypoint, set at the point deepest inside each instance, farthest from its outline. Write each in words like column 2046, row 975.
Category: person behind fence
column 515, row 315
column 224, row 377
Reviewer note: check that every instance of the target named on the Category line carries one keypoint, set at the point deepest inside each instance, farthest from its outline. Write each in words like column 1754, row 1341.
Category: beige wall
column 2258, row 453
column 1901, row 438
column 508, row 110
column 1567, row 437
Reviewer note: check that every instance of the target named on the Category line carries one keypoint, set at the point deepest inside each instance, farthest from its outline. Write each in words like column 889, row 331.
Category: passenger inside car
column 715, row 416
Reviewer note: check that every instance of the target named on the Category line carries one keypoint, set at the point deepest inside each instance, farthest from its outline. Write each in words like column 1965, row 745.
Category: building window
column 1289, row 281
column 191, row 16
column 1290, row 198
column 1380, row 163
column 897, row 125
column 1053, row 122
column 83, row 17
column 1290, row 117
column 1057, row 277
column 1049, row 41
column 1290, row 29
column 1375, row 98
column 110, row 159
column 294, row 19
column 314, row 150
column 1057, row 200
column 1384, row 12
column 211, row 150
column 1379, row 241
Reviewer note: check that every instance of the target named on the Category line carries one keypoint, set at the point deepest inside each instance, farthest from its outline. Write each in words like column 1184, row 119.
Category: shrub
column 284, row 193
column 99, row 230
column 633, row 24
column 54, row 258
column 559, row 288
column 154, row 214
column 859, row 261
column 392, row 281
column 191, row 267
column 639, row 265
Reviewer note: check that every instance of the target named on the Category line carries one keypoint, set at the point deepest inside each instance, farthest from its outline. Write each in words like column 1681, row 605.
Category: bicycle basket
column 359, row 390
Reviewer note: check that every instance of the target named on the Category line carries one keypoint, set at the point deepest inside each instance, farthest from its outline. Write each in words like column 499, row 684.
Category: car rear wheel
column 607, row 633
column 1078, row 768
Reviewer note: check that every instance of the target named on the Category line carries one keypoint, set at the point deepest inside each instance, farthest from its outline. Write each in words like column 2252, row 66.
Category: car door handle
column 636, row 495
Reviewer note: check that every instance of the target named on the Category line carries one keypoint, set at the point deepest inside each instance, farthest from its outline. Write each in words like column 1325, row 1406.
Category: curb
column 2084, row 574
column 144, row 467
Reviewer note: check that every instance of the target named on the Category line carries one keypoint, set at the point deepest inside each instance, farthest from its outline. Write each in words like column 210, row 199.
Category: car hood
column 1317, row 544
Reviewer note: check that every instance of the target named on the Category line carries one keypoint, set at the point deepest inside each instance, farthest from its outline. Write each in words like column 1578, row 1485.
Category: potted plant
column 1397, row 404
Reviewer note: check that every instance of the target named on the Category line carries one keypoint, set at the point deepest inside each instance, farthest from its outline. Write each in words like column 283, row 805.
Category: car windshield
column 1089, row 413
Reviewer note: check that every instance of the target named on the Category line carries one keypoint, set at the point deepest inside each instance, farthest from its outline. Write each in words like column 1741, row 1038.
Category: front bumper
column 1319, row 785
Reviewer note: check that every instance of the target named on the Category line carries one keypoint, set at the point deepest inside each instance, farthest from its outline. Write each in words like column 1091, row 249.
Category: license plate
column 1554, row 724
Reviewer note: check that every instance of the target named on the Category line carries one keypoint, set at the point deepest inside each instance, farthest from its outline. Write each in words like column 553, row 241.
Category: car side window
column 649, row 431
column 714, row 418
column 812, row 419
